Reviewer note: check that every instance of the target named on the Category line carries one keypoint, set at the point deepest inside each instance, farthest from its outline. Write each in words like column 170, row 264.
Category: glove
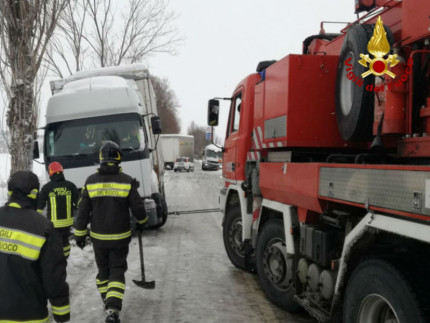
column 81, row 243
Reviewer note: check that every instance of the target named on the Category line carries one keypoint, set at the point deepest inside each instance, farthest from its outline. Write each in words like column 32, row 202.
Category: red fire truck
column 326, row 165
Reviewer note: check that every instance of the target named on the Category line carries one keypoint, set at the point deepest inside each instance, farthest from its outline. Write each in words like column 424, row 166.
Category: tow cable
column 194, row 211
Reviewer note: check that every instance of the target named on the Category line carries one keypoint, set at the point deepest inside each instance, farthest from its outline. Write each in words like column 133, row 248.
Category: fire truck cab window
column 236, row 112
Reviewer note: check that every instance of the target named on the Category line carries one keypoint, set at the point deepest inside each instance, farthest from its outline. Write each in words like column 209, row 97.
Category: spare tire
column 354, row 105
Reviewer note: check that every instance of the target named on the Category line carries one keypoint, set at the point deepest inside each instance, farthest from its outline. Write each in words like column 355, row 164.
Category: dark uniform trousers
column 64, row 234
column 112, row 265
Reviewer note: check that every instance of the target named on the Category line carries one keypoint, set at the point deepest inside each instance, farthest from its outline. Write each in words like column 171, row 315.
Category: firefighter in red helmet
column 106, row 199
column 62, row 198
column 32, row 265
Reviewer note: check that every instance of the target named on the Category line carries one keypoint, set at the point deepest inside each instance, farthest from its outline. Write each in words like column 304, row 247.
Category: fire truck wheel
column 354, row 105
column 232, row 235
column 378, row 292
column 274, row 268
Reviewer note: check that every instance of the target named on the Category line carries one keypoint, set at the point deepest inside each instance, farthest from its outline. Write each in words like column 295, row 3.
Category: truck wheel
column 232, row 236
column 379, row 292
column 273, row 267
column 161, row 209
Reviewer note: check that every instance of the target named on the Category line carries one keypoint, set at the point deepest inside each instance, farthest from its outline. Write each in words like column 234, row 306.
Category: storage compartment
column 299, row 102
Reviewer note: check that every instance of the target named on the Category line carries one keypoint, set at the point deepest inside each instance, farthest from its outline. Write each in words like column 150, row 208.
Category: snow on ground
column 38, row 169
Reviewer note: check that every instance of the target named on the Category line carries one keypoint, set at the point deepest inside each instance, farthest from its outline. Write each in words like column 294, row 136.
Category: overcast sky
column 225, row 39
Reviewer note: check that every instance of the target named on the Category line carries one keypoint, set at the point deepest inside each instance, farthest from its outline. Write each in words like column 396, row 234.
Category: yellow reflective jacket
column 62, row 197
column 32, row 267
column 106, row 199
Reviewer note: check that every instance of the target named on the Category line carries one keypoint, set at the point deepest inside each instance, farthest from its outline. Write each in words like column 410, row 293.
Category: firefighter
column 32, row 264
column 62, row 197
column 106, row 199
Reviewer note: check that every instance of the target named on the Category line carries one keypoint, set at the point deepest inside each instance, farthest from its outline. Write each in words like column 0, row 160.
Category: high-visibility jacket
column 105, row 201
column 62, row 196
column 32, row 267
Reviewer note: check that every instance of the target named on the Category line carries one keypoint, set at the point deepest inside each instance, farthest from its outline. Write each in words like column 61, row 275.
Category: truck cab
column 212, row 158
column 88, row 110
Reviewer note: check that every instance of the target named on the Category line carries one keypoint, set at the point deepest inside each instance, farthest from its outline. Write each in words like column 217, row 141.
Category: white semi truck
column 212, row 157
column 117, row 104
column 174, row 146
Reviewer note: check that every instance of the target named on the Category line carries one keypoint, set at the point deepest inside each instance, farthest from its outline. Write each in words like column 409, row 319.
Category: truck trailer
column 174, row 146
column 326, row 170
column 112, row 103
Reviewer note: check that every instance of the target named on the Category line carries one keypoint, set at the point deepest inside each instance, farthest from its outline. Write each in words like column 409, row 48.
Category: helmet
column 24, row 183
column 54, row 167
column 110, row 153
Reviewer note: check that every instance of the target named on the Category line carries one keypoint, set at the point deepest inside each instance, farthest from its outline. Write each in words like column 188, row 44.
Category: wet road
column 195, row 281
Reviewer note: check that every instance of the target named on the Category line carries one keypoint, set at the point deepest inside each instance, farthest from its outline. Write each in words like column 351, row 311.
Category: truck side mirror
column 213, row 112
column 156, row 125
column 36, row 154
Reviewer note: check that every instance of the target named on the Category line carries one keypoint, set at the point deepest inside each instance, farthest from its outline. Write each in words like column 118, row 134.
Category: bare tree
column 102, row 33
column 67, row 48
column 26, row 27
column 167, row 105
column 199, row 133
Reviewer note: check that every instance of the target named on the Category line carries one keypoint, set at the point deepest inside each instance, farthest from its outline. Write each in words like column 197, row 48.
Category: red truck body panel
column 295, row 107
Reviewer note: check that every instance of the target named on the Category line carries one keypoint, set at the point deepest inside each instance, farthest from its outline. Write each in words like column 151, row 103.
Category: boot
column 113, row 316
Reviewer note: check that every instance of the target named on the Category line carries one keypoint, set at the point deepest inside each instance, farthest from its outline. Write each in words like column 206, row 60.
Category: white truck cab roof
column 92, row 97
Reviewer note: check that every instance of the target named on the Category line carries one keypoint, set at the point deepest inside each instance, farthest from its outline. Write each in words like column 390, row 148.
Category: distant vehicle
column 212, row 157
column 183, row 163
column 174, row 146
column 113, row 103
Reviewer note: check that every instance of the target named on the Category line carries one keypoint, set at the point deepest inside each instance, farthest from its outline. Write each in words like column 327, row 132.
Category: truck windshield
column 211, row 153
column 84, row 137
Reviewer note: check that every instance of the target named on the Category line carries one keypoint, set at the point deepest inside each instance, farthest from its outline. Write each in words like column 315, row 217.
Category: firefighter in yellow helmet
column 32, row 264
column 106, row 199
column 62, row 197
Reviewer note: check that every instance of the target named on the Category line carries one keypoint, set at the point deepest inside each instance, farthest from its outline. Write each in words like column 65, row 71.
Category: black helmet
column 110, row 153
column 23, row 183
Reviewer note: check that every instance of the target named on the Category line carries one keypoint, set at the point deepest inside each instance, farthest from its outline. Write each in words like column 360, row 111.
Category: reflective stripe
column 62, row 223
column 102, row 289
column 45, row 320
column 115, row 294
column 143, row 221
column 33, row 194
column 61, row 310
column 69, row 206
column 80, row 233
column 66, row 248
column 21, row 243
column 98, row 282
column 108, row 189
column 40, row 211
column 53, row 202
column 15, row 205
column 116, row 285
column 117, row 236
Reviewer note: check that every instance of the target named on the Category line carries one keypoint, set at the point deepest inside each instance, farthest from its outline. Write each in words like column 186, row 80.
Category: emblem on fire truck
column 378, row 46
